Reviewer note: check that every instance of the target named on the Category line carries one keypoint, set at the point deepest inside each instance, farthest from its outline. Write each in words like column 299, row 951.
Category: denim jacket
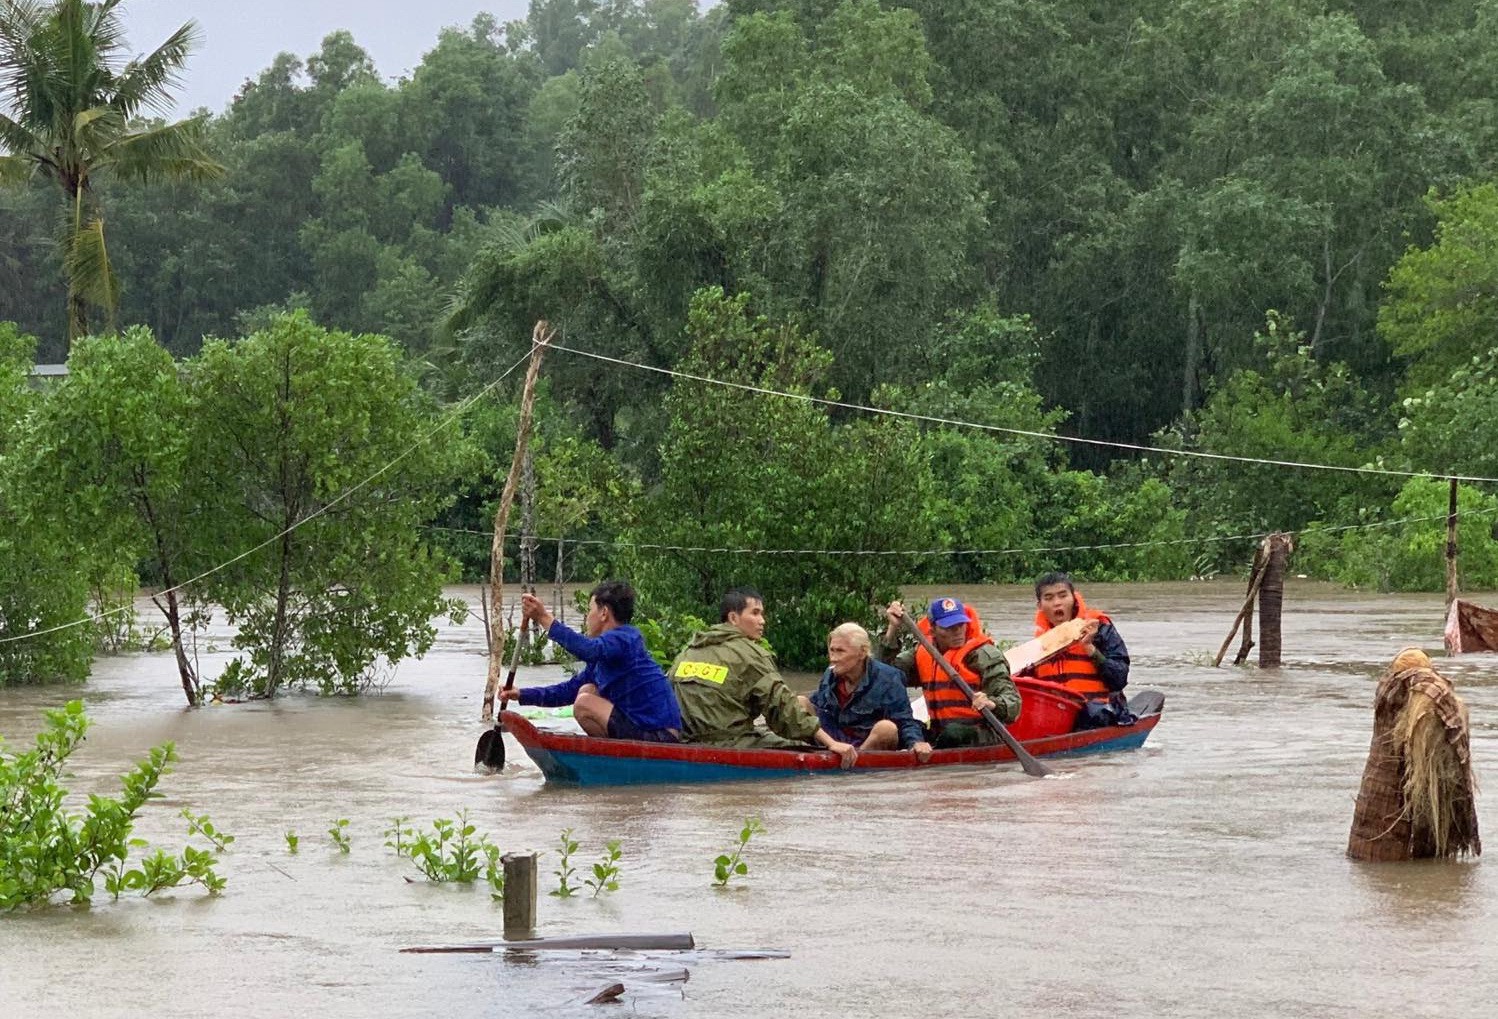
column 879, row 695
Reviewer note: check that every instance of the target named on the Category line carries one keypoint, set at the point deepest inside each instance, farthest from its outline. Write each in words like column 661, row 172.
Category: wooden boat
column 1470, row 627
column 573, row 759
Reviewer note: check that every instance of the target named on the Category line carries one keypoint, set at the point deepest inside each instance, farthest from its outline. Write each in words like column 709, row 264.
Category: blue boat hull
column 571, row 759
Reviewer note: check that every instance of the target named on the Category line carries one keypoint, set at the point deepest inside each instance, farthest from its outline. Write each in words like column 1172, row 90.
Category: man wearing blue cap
column 958, row 634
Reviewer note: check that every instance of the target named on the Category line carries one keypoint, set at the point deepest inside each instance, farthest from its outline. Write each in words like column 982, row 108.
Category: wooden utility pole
column 1272, row 597
column 1451, row 585
column 540, row 337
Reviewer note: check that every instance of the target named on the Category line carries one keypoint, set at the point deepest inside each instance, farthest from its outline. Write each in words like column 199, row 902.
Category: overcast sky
column 241, row 37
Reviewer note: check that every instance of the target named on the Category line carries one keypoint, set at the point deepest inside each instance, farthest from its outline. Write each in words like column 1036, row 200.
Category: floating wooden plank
column 1048, row 645
column 611, row 993
column 606, row 942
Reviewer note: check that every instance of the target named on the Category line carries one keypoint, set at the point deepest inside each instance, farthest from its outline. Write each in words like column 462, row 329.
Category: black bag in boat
column 1100, row 714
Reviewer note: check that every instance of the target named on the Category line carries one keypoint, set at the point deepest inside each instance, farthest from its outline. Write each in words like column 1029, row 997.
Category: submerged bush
column 47, row 850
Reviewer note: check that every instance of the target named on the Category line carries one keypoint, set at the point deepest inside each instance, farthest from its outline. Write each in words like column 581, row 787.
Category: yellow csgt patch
column 702, row 670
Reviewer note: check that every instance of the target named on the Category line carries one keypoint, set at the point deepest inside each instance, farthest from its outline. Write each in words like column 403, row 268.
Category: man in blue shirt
column 621, row 693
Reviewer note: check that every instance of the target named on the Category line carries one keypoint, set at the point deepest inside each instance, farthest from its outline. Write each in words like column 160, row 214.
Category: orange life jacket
column 945, row 702
column 1073, row 668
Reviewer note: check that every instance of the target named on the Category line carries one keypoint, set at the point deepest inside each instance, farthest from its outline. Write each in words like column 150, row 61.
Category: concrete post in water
column 540, row 337
column 520, row 894
column 1451, row 547
column 1272, row 598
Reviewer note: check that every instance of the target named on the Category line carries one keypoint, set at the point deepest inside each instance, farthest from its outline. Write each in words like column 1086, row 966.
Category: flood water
column 1201, row 876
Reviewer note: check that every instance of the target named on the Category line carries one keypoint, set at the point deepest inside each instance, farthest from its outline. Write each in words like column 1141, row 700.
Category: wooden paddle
column 490, row 751
column 1027, row 761
column 1048, row 645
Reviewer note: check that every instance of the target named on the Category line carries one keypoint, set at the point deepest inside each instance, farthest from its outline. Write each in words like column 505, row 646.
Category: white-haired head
column 855, row 635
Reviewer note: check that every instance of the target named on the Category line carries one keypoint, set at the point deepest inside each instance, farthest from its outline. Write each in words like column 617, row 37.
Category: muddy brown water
column 1201, row 876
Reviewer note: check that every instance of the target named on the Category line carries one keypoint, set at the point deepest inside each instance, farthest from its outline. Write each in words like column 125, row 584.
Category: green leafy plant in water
column 292, row 841
column 606, row 871
column 199, row 824
column 400, row 835
column 494, row 872
column 565, row 871
column 453, row 851
column 46, row 849
column 731, row 864
column 163, row 870
column 339, row 834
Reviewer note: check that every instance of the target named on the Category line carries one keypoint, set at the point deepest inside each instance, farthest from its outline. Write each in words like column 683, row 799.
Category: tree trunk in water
column 283, row 605
column 190, row 686
column 173, row 613
column 1272, row 599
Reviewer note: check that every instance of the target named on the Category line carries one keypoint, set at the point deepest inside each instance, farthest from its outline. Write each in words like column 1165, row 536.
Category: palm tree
column 72, row 110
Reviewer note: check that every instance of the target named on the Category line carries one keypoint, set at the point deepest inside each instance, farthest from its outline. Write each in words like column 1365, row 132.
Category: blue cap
column 947, row 612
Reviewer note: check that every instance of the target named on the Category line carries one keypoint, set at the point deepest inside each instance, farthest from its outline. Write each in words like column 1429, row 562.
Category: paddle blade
column 490, row 751
column 1047, row 645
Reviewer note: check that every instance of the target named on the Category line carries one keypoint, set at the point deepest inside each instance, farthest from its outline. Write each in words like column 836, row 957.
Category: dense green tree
column 467, row 101
column 1291, row 407
column 990, row 484
column 1442, row 311
column 321, row 440
column 1407, row 551
column 76, row 107
column 1449, row 428
column 605, row 146
column 44, row 590
column 119, row 435
column 741, row 470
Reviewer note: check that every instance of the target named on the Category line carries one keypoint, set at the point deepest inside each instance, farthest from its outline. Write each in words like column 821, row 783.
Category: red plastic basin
column 1047, row 709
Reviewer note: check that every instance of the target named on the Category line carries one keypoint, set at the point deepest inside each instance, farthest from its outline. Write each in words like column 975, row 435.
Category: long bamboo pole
column 541, row 336
column 1451, row 551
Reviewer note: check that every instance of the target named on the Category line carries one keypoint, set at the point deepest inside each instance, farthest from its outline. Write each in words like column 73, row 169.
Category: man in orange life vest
column 1097, row 666
column 958, row 634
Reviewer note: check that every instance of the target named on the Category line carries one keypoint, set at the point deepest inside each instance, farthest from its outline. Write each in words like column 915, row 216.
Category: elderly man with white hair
column 862, row 701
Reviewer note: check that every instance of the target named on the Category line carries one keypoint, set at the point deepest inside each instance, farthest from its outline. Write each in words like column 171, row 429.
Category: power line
column 937, row 552
column 1023, row 433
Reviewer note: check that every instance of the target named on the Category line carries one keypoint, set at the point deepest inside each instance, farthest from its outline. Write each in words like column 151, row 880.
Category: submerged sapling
column 606, row 871
column 564, row 872
column 731, row 864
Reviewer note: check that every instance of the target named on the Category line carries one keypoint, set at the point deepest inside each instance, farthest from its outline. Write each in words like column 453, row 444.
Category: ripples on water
column 1202, row 876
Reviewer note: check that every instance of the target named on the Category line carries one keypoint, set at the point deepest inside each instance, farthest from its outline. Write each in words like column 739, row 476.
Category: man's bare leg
column 592, row 711
column 884, row 736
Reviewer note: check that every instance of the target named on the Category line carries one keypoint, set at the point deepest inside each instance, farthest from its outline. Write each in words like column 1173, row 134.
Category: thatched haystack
column 1418, row 799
